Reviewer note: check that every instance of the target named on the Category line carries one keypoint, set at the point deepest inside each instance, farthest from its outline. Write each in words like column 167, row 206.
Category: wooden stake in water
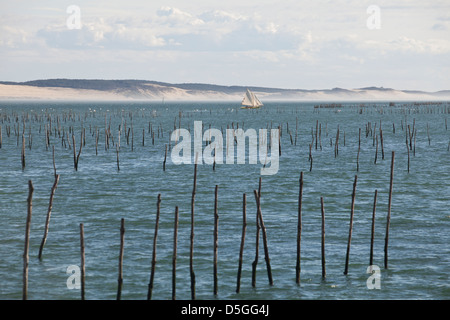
column 373, row 228
column 165, row 156
column 120, row 278
column 359, row 149
column 82, row 260
column 263, row 228
column 299, row 229
column 351, row 226
column 54, row 164
column 258, row 228
column 388, row 220
column 27, row 240
column 241, row 251
column 23, row 152
column 174, row 256
column 324, row 273
column 49, row 212
column 117, row 155
column 191, row 254
column 152, row 273
column 216, row 238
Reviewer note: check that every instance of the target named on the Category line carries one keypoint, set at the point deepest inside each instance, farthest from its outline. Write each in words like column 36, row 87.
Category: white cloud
column 293, row 43
column 178, row 17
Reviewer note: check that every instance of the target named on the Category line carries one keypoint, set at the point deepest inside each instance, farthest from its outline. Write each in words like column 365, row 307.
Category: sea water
column 99, row 195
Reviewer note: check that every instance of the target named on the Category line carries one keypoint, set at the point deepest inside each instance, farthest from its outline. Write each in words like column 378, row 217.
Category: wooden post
column 76, row 157
column 120, row 278
column 324, row 274
column 152, row 274
column 263, row 228
column 216, row 238
column 117, row 155
column 191, row 254
column 351, row 226
column 255, row 261
column 336, row 144
column 299, row 229
column 359, row 148
column 27, row 240
column 241, row 251
column 23, row 152
column 49, row 212
column 388, row 220
column 96, row 142
column 54, row 164
column 165, row 156
column 317, row 131
column 82, row 260
column 174, row 257
column 373, row 228
column 376, row 152
column 408, row 156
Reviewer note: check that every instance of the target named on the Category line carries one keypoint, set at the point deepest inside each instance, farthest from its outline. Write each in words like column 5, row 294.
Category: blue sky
column 286, row 43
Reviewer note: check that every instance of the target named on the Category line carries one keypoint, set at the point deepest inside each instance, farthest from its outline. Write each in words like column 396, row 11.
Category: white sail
column 250, row 100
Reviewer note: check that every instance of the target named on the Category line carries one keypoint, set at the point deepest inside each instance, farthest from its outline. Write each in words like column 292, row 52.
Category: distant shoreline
column 142, row 90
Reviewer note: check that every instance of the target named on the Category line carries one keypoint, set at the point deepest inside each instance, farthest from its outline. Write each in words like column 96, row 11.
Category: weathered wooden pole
column 216, row 238
column 376, row 152
column 82, row 260
column 174, row 256
column 191, row 254
column 117, row 156
column 76, row 157
column 408, row 156
column 120, row 277
column 359, row 149
column 299, row 230
column 241, row 251
column 165, row 156
column 152, row 273
column 49, row 212
column 263, row 229
column 54, row 164
column 27, row 240
column 388, row 220
column 324, row 273
column 351, row 226
column 23, row 152
column 336, row 144
column 255, row 261
column 373, row 228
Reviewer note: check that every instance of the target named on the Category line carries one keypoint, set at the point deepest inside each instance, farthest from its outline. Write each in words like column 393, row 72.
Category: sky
column 401, row 44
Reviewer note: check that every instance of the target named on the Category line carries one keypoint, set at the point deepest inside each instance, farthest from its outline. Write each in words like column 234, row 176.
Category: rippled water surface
column 99, row 196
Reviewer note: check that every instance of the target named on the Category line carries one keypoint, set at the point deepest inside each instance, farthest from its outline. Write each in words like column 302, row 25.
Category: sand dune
column 64, row 89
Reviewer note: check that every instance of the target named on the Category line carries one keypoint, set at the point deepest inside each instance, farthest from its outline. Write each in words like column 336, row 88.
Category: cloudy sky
column 286, row 43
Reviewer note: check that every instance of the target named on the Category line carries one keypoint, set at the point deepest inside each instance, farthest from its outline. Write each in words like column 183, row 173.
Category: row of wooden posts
column 370, row 129
column 260, row 229
column 410, row 133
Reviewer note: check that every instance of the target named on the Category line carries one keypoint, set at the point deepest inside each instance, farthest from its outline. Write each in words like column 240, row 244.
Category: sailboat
column 250, row 101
